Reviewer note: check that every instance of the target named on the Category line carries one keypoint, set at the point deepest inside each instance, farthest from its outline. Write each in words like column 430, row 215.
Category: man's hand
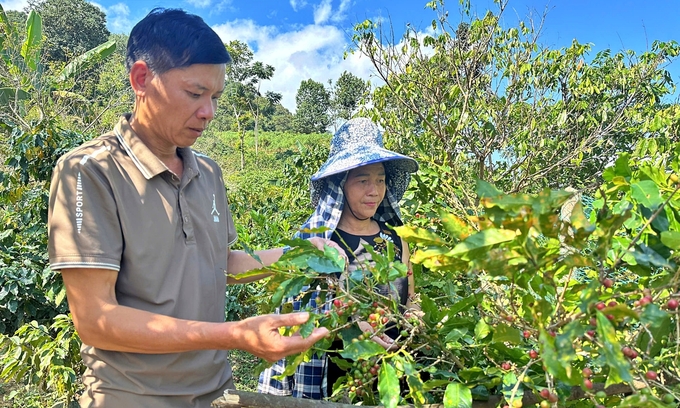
column 260, row 336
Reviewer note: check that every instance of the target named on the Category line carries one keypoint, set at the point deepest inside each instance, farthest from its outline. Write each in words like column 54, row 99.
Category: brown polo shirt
column 114, row 205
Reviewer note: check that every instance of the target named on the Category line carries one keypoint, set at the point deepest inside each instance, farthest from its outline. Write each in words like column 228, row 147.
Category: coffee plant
column 541, row 302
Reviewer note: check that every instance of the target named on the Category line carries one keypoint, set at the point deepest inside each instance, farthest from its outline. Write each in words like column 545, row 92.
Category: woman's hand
column 319, row 243
column 384, row 340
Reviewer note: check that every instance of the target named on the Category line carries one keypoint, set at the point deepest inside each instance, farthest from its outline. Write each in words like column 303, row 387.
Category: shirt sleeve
column 83, row 224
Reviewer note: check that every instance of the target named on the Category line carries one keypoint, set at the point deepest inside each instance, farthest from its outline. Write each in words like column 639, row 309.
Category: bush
column 45, row 359
column 525, row 303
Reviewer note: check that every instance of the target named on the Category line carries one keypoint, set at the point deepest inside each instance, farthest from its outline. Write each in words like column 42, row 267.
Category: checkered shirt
column 310, row 378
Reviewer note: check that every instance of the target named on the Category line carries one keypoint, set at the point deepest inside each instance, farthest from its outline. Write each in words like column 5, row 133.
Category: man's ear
column 140, row 75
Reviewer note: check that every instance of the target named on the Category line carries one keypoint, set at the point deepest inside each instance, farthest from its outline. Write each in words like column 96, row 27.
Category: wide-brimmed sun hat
column 357, row 143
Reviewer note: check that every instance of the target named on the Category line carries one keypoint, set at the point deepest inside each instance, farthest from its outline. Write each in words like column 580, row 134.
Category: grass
column 243, row 369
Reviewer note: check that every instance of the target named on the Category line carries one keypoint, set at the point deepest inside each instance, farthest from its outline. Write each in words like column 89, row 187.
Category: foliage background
column 473, row 101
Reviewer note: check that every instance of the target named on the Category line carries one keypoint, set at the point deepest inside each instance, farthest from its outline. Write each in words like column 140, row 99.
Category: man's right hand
column 260, row 336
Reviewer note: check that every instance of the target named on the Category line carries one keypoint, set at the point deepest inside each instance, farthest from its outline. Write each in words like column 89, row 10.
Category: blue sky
column 306, row 39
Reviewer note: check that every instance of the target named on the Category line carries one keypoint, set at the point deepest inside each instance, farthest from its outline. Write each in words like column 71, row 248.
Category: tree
column 30, row 91
column 114, row 95
column 313, row 103
column 242, row 96
column 34, row 97
column 280, row 120
column 16, row 17
column 347, row 95
column 71, row 27
column 480, row 101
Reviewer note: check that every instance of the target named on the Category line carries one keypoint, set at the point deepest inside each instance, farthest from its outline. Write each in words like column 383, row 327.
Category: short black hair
column 172, row 38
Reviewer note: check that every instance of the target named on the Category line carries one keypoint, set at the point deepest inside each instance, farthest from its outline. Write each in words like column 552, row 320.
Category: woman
column 356, row 194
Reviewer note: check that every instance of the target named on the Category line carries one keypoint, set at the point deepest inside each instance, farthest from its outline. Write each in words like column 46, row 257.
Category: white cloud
column 342, row 9
column 297, row 4
column 118, row 18
column 322, row 12
column 245, row 30
column 199, row 3
column 220, row 7
column 14, row 5
column 312, row 51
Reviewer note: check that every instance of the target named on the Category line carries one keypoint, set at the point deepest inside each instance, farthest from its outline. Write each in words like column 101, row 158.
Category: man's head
column 172, row 38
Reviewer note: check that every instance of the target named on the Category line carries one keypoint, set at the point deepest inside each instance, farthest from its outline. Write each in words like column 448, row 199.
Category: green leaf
column 671, row 239
column 509, row 382
column 415, row 384
column 349, row 333
column 659, row 327
column 9, row 95
column 292, row 362
column 430, row 310
column 358, row 350
column 333, row 254
column 307, row 327
column 251, row 252
column 341, row 363
column 619, row 366
column 482, row 329
column 455, row 226
column 321, row 264
column 432, row 384
column 503, row 333
column 33, row 39
column 558, row 355
column 388, row 385
column 457, row 396
column 463, row 304
column 12, row 306
column 646, row 192
column 471, row 374
column 418, row 235
column 421, row 255
column 653, row 316
column 643, row 401
column 290, row 287
column 477, row 244
column 486, row 190
column 620, row 169
column 454, row 334
column 87, row 60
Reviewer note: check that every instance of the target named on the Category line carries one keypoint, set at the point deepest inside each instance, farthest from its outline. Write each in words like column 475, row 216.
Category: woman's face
column 365, row 189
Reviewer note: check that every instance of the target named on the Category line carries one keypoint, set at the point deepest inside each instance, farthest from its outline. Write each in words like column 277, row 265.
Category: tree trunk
column 257, row 120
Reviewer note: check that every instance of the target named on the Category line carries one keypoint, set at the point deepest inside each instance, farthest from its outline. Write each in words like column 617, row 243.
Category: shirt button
column 186, row 218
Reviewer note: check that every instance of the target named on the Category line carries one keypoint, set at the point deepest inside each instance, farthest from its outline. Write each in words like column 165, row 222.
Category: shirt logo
column 79, row 204
column 215, row 213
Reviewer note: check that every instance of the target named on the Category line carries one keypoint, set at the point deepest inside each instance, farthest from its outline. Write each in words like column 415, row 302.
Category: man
column 140, row 229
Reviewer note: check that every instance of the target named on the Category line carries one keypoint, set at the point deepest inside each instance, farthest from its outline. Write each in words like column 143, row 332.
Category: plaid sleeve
column 268, row 385
column 309, row 379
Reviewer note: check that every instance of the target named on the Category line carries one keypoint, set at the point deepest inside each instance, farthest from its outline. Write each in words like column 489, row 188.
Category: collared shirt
column 114, row 205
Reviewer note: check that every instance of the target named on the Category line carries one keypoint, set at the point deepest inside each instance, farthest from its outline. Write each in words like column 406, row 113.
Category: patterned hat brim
column 348, row 160
column 398, row 173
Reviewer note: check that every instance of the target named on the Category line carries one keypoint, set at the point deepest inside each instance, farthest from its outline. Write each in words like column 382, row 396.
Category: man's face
column 180, row 103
